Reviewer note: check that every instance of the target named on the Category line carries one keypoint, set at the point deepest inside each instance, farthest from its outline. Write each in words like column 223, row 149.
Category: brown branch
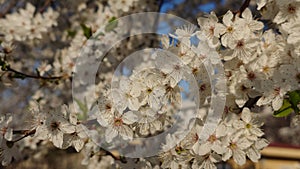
column 6, row 10
column 243, row 7
column 27, row 133
column 115, row 157
column 44, row 7
column 23, row 75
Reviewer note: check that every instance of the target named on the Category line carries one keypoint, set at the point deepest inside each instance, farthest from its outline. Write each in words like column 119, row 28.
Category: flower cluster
column 31, row 26
column 237, row 137
column 151, row 93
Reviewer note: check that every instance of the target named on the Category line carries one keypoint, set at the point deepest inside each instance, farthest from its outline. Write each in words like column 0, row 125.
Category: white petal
column 227, row 155
column 253, row 154
column 57, row 139
column 204, row 148
column 110, row 134
column 247, row 14
column 78, row 144
column 257, row 131
column 227, row 18
column 129, row 117
column 67, row 127
column 246, row 115
column 262, row 143
column 277, row 103
column 126, row 132
column 8, row 134
column 239, row 156
column 133, row 104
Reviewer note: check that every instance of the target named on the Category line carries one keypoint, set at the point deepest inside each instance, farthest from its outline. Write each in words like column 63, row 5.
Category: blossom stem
column 44, row 7
column 26, row 132
column 23, row 75
column 120, row 158
column 244, row 6
column 8, row 8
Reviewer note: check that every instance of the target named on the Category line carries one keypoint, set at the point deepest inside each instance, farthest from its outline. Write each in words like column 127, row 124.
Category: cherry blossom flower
column 123, row 98
column 273, row 94
column 232, row 29
column 117, row 124
column 213, row 143
column 32, row 25
column 184, row 34
column 174, row 157
column 253, row 152
column 75, row 139
column 206, row 162
column 211, row 28
column 288, row 10
column 148, row 122
column 43, row 68
column 243, row 48
column 235, row 148
column 5, row 130
column 252, row 24
column 8, row 152
column 249, row 125
column 56, row 126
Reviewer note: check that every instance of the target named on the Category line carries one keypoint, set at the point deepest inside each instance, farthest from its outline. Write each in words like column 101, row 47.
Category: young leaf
column 86, row 31
column 83, row 107
column 285, row 109
column 294, row 98
column 112, row 24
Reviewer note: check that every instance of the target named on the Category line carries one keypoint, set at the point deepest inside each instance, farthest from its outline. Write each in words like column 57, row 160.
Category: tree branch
column 8, row 8
column 44, row 7
column 27, row 133
column 243, row 7
column 31, row 76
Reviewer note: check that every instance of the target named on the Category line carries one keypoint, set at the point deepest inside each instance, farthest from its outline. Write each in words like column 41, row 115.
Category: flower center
column 233, row 146
column 55, row 125
column 118, row 122
column 248, row 126
column 107, row 106
column 202, row 87
column 266, row 69
column 244, row 88
column 298, row 77
column 211, row 30
column 277, row 91
column 240, row 44
column 212, row 138
column 177, row 67
column 179, row 150
column 291, row 9
column 251, row 76
column 230, row 29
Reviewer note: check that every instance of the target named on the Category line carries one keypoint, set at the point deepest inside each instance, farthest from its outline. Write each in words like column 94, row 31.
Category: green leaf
column 19, row 76
column 112, row 24
column 294, row 98
column 86, row 31
column 97, row 35
column 71, row 33
column 83, row 107
column 285, row 109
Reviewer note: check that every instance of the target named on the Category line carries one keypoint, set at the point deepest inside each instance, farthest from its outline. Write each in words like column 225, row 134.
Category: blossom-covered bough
column 182, row 99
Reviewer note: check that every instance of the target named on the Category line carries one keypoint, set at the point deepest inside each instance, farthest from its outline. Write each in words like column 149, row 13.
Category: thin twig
column 243, row 7
column 8, row 68
column 119, row 158
column 6, row 10
column 28, row 133
column 44, row 7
